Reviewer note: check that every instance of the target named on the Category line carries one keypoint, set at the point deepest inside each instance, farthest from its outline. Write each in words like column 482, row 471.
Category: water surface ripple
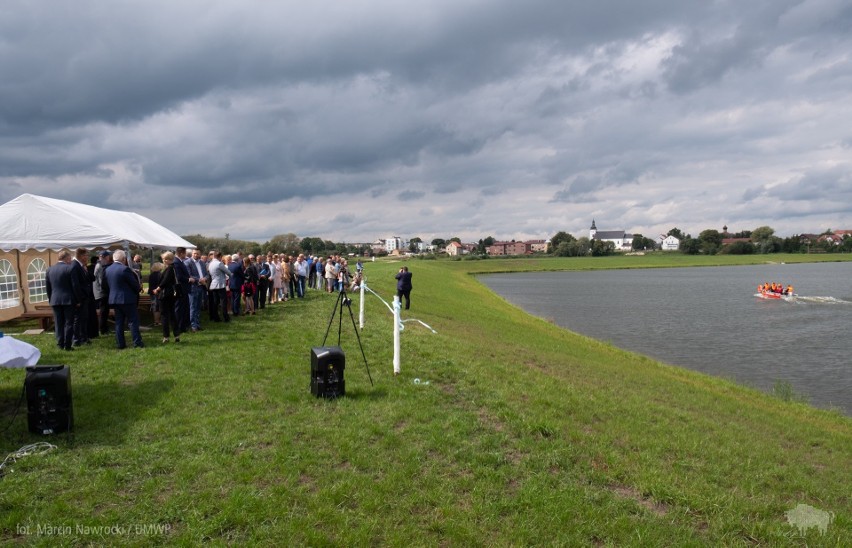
column 709, row 320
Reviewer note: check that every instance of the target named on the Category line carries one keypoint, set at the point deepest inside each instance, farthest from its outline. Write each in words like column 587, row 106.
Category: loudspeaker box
column 327, row 365
column 48, row 389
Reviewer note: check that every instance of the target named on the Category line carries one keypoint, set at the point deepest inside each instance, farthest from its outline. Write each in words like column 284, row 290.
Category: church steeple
column 593, row 230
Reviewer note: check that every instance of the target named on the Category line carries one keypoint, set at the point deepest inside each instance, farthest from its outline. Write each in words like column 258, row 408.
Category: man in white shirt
column 301, row 274
column 219, row 274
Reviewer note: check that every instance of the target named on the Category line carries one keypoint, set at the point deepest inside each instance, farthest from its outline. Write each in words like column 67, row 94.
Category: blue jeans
column 196, row 296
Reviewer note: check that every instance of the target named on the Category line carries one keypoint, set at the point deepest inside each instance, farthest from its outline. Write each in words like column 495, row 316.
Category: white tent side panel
column 33, row 227
column 22, row 290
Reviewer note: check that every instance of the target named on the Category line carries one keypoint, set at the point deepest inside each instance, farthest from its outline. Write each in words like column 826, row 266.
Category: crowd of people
column 83, row 290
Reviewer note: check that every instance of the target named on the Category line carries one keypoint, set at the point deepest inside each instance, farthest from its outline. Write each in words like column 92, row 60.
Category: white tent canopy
column 39, row 223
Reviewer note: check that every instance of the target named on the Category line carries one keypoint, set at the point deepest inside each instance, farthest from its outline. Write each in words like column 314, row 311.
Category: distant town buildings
column 668, row 243
column 395, row 243
column 622, row 240
column 517, row 248
column 509, row 248
column 378, row 246
column 729, row 241
column 538, row 246
column 835, row 237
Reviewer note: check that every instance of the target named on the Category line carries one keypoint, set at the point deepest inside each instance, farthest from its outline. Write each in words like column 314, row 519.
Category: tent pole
column 20, row 281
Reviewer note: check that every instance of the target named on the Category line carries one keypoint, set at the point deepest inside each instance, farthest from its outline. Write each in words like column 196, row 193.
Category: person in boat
column 790, row 289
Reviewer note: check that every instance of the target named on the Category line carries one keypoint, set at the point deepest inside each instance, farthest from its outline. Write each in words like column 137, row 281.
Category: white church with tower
column 622, row 240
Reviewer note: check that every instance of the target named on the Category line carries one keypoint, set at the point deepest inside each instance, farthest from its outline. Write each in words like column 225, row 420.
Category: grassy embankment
column 525, row 434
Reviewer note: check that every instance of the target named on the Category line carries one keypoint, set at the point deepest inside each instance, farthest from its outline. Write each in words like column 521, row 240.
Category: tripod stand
column 344, row 300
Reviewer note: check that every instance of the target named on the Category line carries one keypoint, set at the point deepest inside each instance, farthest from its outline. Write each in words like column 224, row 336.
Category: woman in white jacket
column 277, row 286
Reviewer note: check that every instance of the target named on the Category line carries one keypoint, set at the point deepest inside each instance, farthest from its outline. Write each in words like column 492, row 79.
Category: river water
column 709, row 320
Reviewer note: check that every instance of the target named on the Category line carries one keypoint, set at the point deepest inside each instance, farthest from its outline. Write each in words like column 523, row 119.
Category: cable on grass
column 38, row 448
column 17, row 407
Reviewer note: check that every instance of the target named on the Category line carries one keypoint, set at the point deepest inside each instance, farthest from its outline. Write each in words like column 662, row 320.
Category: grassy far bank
column 525, row 434
column 649, row 260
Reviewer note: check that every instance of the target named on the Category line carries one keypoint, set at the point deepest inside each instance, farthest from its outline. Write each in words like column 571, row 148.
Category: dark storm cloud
column 580, row 189
column 830, row 185
column 72, row 64
column 409, row 195
column 555, row 106
column 696, row 63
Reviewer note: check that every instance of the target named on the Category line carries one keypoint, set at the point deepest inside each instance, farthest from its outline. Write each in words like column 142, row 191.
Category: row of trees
column 563, row 244
column 759, row 240
column 708, row 242
column 292, row 244
column 288, row 243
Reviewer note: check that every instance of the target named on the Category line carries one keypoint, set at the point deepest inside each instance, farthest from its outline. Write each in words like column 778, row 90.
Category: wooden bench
column 42, row 313
column 144, row 302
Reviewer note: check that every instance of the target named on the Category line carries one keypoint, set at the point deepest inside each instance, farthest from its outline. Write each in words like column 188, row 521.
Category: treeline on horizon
column 708, row 242
column 288, row 243
column 562, row 244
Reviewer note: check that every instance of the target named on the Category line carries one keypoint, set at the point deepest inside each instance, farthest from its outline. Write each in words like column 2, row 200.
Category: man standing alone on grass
column 403, row 285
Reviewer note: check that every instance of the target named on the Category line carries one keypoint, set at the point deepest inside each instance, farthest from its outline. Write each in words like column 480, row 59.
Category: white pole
column 396, row 335
column 361, row 304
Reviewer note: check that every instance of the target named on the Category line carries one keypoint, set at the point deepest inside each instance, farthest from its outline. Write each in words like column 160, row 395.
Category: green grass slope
column 525, row 434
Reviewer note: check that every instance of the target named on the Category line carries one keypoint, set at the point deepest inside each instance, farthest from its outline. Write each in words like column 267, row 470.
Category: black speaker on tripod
column 48, row 389
column 327, row 365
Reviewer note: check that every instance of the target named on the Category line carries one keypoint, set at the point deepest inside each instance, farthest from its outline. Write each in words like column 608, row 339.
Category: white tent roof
column 35, row 222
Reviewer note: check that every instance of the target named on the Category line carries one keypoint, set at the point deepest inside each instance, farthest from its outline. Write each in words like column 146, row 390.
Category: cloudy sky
column 359, row 119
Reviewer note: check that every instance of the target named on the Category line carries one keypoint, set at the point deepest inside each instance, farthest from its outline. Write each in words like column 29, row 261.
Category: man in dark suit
column 81, row 313
column 403, row 285
column 197, row 288
column 182, row 300
column 124, row 290
column 235, row 282
column 64, row 295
